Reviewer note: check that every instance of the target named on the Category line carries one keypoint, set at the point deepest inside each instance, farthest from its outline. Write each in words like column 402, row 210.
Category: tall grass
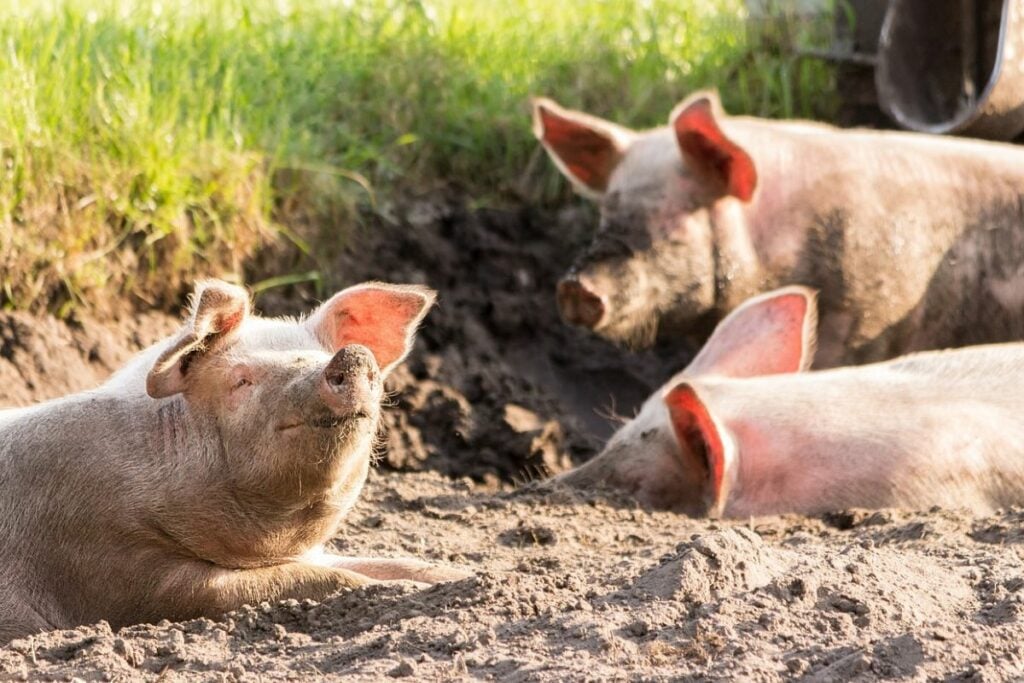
column 144, row 142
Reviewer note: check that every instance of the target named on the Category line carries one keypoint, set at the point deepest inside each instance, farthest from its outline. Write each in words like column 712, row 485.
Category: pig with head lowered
column 209, row 472
column 913, row 241
column 744, row 431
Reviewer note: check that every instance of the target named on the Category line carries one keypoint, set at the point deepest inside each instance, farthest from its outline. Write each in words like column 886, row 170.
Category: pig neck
column 756, row 243
column 794, row 452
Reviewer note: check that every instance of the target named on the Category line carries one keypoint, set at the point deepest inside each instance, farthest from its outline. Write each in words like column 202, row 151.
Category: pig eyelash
column 243, row 382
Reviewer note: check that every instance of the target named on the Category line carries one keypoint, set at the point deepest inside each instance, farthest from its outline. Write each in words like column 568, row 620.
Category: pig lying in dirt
column 742, row 431
column 209, row 472
column 914, row 241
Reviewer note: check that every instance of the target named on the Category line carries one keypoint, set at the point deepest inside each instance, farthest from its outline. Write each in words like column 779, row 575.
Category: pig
column 744, row 430
column 913, row 241
column 211, row 471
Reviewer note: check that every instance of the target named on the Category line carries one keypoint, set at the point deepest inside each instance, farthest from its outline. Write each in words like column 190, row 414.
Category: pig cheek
column 636, row 470
column 662, row 489
column 662, row 481
column 238, row 398
column 686, row 267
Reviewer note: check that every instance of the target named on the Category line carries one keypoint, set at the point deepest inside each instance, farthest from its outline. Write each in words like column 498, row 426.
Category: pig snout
column 581, row 303
column 351, row 384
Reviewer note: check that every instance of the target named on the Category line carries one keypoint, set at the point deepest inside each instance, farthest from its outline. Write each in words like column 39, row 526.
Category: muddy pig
column 209, row 472
column 914, row 241
column 743, row 431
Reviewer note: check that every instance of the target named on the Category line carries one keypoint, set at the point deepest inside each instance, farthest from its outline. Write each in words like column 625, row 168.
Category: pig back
column 912, row 240
column 79, row 485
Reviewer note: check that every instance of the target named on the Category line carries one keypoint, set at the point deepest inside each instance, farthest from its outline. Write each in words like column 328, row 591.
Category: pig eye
column 242, row 382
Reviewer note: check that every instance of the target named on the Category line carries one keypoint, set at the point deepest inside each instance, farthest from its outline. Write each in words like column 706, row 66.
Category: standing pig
column 914, row 241
column 209, row 472
column 742, row 431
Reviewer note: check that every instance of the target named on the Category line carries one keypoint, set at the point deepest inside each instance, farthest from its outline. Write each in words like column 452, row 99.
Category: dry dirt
column 567, row 587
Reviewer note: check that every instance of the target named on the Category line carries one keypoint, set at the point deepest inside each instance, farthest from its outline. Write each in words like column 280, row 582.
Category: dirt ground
column 567, row 587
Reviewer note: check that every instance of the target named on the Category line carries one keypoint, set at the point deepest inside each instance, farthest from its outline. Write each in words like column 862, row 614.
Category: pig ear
column 379, row 316
column 767, row 335
column 701, row 444
column 584, row 148
column 708, row 151
column 215, row 314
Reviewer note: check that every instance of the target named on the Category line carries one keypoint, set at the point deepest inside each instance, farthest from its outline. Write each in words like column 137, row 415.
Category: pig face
column 644, row 460
column 292, row 404
column 652, row 258
column 674, row 454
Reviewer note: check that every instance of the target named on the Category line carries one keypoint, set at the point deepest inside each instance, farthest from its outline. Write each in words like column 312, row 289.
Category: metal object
column 953, row 66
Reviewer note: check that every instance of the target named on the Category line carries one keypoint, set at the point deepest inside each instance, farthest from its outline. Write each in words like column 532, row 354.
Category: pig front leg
column 393, row 569
column 18, row 620
column 195, row 590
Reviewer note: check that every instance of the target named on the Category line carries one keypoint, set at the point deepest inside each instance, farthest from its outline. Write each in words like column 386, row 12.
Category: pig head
column 209, row 472
column 907, row 237
column 293, row 409
column 674, row 454
column 652, row 258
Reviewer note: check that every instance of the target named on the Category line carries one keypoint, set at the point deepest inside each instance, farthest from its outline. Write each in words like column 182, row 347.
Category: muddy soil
column 573, row 589
column 567, row 587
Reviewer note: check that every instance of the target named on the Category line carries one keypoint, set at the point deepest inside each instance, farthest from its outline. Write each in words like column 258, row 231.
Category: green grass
column 144, row 142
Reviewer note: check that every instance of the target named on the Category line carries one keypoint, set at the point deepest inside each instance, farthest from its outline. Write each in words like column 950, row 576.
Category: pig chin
column 630, row 326
column 653, row 476
column 326, row 424
column 642, row 318
column 333, row 447
column 641, row 328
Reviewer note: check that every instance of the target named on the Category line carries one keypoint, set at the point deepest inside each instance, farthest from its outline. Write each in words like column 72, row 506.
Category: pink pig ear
column 707, row 150
column 701, row 443
column 379, row 316
column 585, row 149
column 767, row 335
column 217, row 310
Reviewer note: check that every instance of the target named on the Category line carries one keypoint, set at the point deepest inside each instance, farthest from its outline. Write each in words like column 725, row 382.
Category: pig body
column 208, row 473
column 912, row 240
column 934, row 428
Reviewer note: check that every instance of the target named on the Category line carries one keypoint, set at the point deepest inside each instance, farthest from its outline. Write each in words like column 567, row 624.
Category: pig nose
column 579, row 304
column 352, row 362
column 351, row 381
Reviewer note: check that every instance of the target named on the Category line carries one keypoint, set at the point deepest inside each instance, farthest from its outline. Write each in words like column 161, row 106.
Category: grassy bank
column 145, row 142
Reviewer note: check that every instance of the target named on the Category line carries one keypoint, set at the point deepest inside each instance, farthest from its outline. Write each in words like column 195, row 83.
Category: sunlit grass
column 143, row 143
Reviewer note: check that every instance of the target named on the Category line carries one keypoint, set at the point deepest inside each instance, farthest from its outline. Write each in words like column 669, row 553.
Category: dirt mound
column 720, row 563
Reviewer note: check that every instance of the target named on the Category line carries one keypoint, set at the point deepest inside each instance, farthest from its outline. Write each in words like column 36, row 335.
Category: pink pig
column 912, row 240
column 212, row 471
column 744, row 431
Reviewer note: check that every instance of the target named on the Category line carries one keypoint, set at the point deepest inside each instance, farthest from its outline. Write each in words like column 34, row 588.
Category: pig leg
column 17, row 620
column 196, row 590
column 396, row 569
